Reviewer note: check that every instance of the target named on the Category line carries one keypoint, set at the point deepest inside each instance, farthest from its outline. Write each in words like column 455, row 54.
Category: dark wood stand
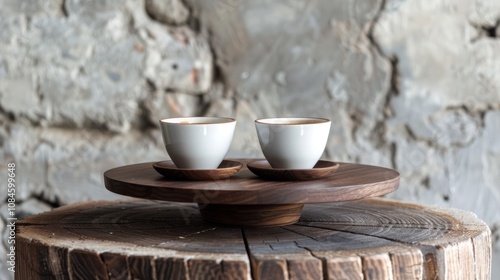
column 245, row 199
column 143, row 239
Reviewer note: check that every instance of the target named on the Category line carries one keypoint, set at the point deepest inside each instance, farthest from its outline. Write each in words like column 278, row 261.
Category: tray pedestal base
column 251, row 215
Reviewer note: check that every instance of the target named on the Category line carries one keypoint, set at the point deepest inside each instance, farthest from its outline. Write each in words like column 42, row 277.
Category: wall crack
column 486, row 31
column 378, row 135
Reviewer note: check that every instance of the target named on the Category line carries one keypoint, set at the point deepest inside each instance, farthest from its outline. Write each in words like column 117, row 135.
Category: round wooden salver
column 247, row 200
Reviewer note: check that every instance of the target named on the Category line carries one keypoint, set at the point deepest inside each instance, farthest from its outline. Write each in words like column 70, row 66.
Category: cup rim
column 197, row 120
column 287, row 120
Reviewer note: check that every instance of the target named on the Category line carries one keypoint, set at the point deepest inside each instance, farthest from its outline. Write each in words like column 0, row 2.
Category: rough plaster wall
column 414, row 85
column 446, row 104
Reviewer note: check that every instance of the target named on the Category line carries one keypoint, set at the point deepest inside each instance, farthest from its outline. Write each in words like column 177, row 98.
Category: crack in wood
column 249, row 254
column 68, row 268
column 372, row 236
column 386, row 225
column 198, row 232
column 324, row 266
column 105, row 265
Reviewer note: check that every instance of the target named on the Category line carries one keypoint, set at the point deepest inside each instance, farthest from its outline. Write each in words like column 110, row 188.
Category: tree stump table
column 144, row 239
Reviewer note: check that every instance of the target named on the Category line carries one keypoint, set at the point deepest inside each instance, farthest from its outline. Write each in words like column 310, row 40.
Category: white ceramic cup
column 197, row 142
column 293, row 143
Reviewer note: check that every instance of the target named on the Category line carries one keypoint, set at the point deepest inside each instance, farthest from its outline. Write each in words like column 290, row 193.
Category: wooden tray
column 247, row 200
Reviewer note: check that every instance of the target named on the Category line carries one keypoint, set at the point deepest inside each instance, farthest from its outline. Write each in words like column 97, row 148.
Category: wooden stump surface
column 142, row 239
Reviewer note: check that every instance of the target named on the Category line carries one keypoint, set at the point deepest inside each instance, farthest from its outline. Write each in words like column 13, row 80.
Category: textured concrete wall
column 413, row 85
